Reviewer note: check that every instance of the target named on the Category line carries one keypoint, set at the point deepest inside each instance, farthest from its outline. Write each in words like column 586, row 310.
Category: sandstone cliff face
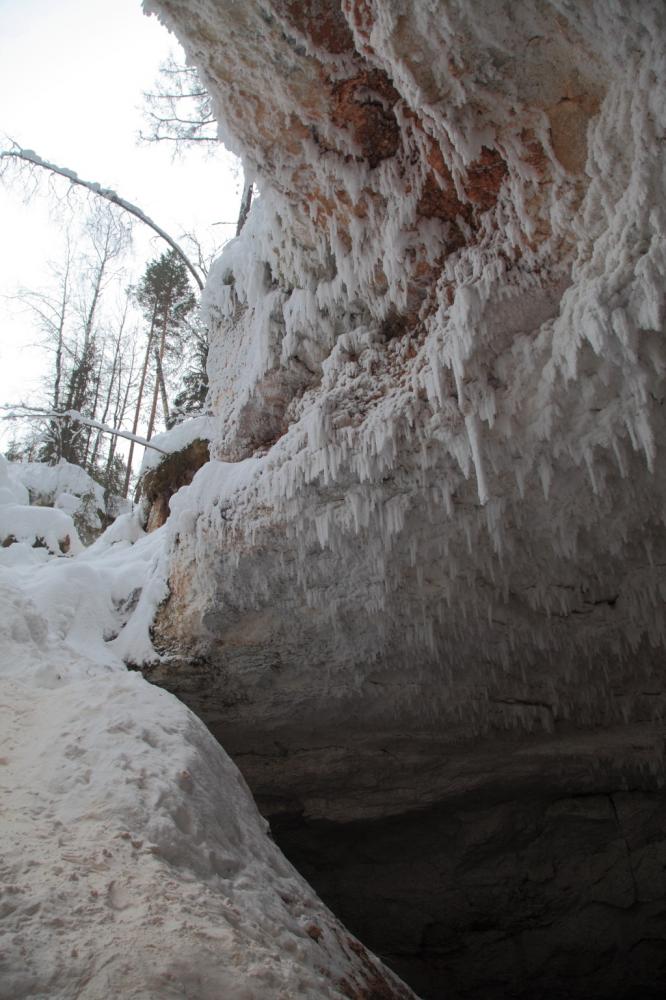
column 428, row 557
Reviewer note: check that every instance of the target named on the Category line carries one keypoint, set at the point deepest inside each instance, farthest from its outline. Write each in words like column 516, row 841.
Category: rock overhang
column 438, row 361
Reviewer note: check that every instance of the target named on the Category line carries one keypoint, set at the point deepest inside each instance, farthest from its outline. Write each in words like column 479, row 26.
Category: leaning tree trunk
column 137, row 410
column 159, row 354
column 162, row 385
column 246, row 203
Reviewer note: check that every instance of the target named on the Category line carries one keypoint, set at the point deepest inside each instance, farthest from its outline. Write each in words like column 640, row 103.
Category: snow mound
column 39, row 526
column 47, row 482
column 135, row 863
column 64, row 486
column 176, row 439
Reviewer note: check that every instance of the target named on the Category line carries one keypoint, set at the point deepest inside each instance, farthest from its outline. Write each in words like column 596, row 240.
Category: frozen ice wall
column 437, row 368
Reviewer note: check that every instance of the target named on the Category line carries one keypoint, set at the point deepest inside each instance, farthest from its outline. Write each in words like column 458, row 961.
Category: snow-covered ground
column 134, row 862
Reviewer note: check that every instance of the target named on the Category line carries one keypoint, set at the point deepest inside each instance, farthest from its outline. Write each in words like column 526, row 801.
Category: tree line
column 122, row 354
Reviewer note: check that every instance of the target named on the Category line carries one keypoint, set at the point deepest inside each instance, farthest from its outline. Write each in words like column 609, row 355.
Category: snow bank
column 39, row 526
column 47, row 506
column 135, row 863
column 64, row 486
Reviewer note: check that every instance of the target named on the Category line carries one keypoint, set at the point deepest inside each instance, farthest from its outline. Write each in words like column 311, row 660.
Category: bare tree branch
column 29, row 156
column 24, row 412
column 179, row 109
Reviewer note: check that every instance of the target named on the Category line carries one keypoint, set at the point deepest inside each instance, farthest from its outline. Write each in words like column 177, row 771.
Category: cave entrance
column 536, row 897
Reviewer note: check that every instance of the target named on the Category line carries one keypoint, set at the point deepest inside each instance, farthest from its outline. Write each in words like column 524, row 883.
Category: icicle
column 473, row 425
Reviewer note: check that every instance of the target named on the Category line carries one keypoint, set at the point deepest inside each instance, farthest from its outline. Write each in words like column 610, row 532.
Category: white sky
column 72, row 73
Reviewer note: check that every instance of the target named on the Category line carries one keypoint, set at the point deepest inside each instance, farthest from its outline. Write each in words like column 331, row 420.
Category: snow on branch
column 29, row 156
column 24, row 412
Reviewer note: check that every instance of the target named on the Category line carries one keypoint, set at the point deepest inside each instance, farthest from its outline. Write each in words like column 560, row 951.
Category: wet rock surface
column 535, row 897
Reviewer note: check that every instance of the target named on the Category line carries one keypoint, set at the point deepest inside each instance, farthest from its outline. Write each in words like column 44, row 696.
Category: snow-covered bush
column 46, row 482
column 12, row 491
column 55, row 508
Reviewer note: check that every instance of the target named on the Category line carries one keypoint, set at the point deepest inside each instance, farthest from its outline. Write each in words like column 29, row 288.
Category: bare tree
column 179, row 109
column 107, row 238
column 139, row 398
column 93, row 369
column 125, row 385
column 113, row 379
column 59, row 327
column 52, row 310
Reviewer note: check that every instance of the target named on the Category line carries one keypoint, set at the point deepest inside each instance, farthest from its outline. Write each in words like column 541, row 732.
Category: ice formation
column 437, row 376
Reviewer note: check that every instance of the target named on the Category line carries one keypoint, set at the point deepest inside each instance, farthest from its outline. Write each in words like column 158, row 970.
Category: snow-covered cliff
column 438, row 366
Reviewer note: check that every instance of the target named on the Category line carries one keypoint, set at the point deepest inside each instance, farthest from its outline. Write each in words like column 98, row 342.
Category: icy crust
column 489, row 481
column 134, row 861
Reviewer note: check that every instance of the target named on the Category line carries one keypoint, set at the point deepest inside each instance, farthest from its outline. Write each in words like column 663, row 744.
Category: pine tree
column 166, row 296
column 166, row 299
column 193, row 391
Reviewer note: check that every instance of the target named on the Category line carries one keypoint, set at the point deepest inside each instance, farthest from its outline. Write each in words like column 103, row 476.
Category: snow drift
column 134, row 861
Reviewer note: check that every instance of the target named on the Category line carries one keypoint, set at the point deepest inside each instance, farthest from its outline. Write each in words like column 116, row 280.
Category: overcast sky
column 72, row 73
